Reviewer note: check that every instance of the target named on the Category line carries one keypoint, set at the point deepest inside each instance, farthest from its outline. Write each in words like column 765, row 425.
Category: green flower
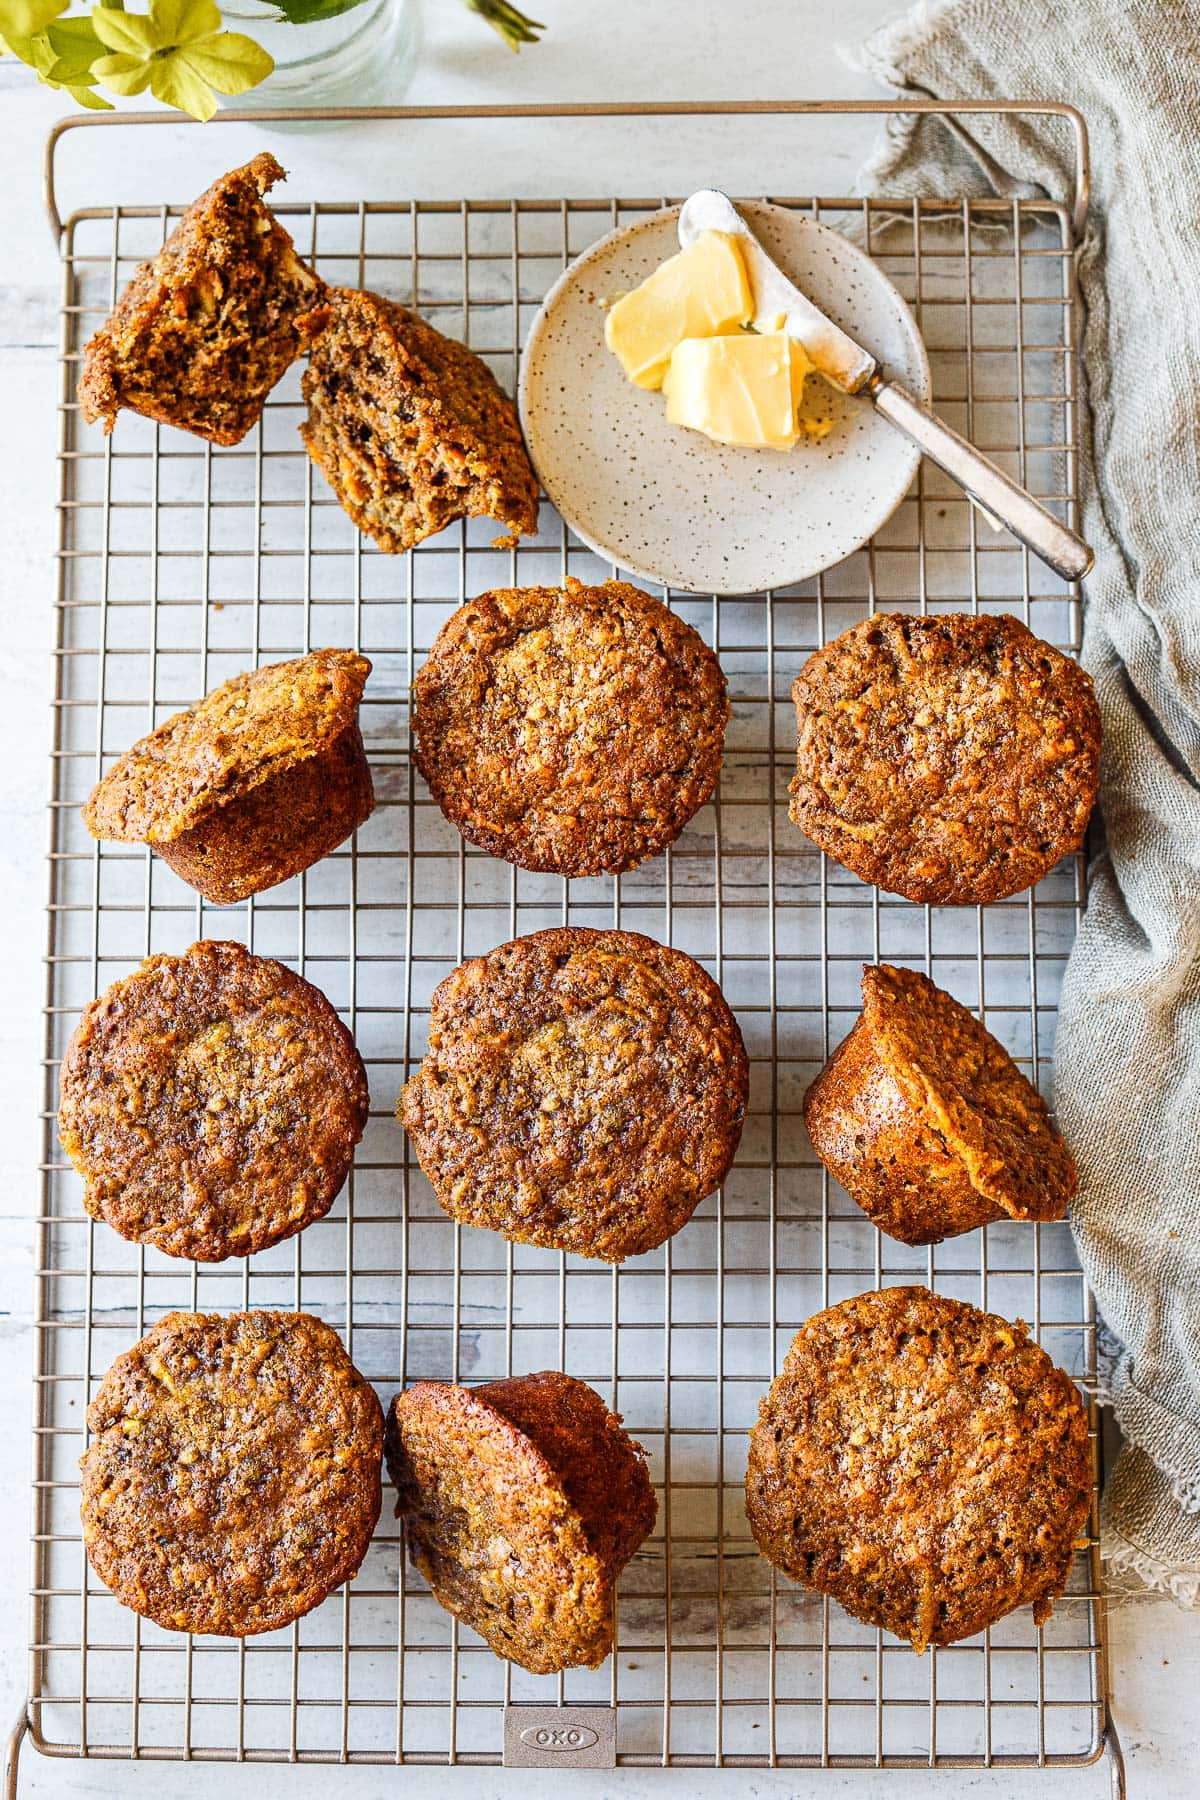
column 179, row 52
column 59, row 51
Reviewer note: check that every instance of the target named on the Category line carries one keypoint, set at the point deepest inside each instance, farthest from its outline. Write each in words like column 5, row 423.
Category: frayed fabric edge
column 882, row 56
column 885, row 51
column 1187, row 1493
column 1120, row 1557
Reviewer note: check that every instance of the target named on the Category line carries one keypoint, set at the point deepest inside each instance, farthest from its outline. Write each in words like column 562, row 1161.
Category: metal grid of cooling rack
column 182, row 563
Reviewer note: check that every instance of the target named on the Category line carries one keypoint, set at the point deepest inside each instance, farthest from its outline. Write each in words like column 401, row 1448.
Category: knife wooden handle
column 1056, row 544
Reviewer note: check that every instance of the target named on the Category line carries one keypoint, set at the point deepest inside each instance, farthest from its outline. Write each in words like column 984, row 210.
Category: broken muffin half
column 207, row 327
column 410, row 428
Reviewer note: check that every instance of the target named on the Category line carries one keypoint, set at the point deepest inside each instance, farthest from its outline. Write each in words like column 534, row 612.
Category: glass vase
column 361, row 56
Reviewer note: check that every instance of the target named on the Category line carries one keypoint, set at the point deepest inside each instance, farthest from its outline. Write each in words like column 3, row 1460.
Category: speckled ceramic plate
column 663, row 502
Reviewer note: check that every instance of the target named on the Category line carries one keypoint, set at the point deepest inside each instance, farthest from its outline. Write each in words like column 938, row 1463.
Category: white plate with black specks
column 665, row 503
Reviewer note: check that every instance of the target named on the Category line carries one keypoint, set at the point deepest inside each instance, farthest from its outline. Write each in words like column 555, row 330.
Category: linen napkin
column 1128, row 1050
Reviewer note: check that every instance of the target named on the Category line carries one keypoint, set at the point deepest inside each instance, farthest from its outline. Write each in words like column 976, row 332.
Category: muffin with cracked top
column 522, row 1501
column 923, row 1463
column 952, row 759
column 928, row 1123
column 212, row 1103
column 233, row 1479
column 571, row 730
column 583, row 1090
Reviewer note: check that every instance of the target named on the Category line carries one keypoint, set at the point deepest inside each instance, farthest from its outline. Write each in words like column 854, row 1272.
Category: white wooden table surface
column 684, row 49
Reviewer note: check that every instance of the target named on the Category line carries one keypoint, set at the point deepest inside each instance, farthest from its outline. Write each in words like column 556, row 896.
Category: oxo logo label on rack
column 540, row 1737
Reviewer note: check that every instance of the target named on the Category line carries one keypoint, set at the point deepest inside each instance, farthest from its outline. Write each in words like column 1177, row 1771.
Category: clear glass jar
column 360, row 56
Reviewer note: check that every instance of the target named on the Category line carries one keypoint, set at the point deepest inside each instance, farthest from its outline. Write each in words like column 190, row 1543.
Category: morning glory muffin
column 583, row 1090
column 522, row 1501
column 952, row 759
column 923, row 1463
column 233, row 1480
column 260, row 779
column 572, row 730
column 410, row 428
column 207, row 327
column 212, row 1102
column 928, row 1123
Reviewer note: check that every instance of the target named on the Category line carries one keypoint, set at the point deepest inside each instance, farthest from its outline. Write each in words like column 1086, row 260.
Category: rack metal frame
column 179, row 563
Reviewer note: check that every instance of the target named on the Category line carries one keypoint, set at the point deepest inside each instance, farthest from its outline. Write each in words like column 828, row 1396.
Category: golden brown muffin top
column 234, row 1477
column 251, row 728
column 212, row 1102
column 583, row 1089
column 952, row 759
column 922, row 1462
column 574, row 729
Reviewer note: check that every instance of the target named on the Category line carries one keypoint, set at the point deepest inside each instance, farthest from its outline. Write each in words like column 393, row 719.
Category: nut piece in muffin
column 233, row 1480
column 928, row 1123
column 583, row 1090
column 572, row 730
column 922, row 1462
column 211, row 1102
column 208, row 326
column 522, row 1501
column 257, row 781
column 951, row 759
column 411, row 429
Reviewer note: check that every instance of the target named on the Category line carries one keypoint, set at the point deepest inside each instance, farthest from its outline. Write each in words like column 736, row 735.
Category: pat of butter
column 740, row 390
column 696, row 294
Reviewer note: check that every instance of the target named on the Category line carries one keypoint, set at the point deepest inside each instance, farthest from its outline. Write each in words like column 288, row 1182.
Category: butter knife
column 836, row 356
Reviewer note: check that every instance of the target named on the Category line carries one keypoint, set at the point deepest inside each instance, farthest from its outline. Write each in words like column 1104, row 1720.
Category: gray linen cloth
column 1128, row 1051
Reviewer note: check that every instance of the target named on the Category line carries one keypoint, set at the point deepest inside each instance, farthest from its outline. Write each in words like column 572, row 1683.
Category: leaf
column 178, row 22
column 76, row 48
column 34, row 52
column 308, row 12
column 123, row 75
column 176, row 84
column 229, row 61
column 25, row 18
column 128, row 34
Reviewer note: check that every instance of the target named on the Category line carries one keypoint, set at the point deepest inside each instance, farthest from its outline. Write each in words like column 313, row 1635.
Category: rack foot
column 1114, row 1756
column 12, row 1755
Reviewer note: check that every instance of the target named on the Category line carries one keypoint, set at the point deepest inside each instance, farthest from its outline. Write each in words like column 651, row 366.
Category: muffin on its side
column 411, row 429
column 928, row 1123
column 583, row 1089
column 255, row 782
column 923, row 1463
column 951, row 759
column 573, row 730
column 522, row 1501
column 233, row 1480
column 211, row 1102
column 206, row 328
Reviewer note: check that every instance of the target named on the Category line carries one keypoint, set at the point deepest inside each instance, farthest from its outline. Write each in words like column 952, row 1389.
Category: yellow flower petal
column 128, row 34
column 122, row 74
column 229, row 61
column 179, row 22
column 175, row 84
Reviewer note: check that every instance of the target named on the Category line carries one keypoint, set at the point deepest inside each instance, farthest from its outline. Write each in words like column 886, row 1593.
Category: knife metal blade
column 830, row 350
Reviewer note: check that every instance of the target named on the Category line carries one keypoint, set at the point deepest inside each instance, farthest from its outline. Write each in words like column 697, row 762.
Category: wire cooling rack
column 181, row 564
